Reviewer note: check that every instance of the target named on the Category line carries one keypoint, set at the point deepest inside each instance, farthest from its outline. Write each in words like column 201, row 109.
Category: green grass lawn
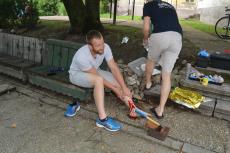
column 126, row 17
column 58, row 29
column 122, row 29
column 199, row 26
column 54, row 25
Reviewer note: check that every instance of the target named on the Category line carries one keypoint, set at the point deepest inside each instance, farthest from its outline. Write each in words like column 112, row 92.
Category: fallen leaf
column 13, row 125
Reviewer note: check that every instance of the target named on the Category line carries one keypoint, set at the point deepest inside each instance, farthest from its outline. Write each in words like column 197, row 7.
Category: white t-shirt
column 83, row 59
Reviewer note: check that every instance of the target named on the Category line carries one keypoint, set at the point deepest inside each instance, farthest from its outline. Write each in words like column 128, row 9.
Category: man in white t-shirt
column 85, row 72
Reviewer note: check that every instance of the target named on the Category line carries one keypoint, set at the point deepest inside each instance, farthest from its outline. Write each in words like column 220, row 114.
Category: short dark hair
column 93, row 34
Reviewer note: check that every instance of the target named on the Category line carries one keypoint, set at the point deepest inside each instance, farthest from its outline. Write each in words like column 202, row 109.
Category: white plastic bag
column 155, row 71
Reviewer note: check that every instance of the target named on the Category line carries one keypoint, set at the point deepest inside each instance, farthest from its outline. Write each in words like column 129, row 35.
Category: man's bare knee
column 166, row 75
column 97, row 80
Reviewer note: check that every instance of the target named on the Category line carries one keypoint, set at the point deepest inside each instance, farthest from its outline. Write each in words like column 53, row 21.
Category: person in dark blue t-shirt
column 164, row 45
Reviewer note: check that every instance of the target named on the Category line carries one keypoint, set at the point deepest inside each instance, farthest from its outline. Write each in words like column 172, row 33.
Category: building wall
column 125, row 7
column 139, row 4
column 211, row 10
column 183, row 4
column 185, row 8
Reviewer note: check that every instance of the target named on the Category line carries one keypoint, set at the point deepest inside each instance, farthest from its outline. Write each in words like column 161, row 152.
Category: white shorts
column 164, row 48
column 81, row 79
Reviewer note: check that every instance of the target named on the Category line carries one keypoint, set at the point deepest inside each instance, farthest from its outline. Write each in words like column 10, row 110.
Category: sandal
column 155, row 113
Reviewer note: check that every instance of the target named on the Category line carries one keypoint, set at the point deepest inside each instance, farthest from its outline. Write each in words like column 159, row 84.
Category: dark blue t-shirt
column 163, row 16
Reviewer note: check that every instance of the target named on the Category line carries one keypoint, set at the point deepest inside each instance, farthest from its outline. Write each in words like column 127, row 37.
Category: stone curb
column 4, row 88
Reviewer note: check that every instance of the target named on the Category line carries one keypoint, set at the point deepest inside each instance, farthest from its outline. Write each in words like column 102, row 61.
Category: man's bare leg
column 148, row 72
column 98, row 93
column 165, row 89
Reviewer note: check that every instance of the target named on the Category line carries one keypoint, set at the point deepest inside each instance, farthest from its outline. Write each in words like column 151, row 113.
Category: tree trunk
column 93, row 15
column 83, row 17
column 77, row 14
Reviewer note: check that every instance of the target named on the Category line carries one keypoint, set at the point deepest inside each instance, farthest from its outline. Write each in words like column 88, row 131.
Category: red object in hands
column 132, row 107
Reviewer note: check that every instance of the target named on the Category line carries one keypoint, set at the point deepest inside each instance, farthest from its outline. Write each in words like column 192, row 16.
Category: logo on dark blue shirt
column 165, row 5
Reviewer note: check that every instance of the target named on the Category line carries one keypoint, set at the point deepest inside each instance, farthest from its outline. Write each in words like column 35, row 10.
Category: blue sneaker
column 110, row 124
column 71, row 110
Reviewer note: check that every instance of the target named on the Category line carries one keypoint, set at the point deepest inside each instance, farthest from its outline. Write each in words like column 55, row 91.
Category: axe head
column 157, row 132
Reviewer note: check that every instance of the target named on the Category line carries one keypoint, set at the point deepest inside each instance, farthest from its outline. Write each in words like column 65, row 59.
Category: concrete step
column 4, row 88
column 215, row 107
column 222, row 110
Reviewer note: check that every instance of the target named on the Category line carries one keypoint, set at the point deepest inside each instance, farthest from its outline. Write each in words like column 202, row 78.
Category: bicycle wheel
column 222, row 28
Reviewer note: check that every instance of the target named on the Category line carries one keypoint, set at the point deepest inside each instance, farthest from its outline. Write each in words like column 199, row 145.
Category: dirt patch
column 113, row 36
column 188, row 52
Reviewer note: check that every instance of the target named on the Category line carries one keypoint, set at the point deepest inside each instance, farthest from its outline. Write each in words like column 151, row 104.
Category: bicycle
column 222, row 27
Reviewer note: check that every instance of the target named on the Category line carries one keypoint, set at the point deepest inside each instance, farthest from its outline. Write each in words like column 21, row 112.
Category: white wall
column 211, row 10
column 124, row 7
column 212, row 3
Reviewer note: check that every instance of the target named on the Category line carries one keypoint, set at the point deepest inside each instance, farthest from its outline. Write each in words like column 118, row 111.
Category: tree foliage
column 8, row 13
column 48, row 8
column 16, row 13
column 104, row 5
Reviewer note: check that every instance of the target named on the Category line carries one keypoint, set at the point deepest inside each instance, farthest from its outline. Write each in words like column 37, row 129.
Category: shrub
column 104, row 6
column 61, row 9
column 8, row 13
column 30, row 16
column 47, row 8
column 22, row 13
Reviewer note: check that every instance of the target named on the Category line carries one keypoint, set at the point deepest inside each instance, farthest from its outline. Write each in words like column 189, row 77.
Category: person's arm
column 146, row 28
column 118, row 76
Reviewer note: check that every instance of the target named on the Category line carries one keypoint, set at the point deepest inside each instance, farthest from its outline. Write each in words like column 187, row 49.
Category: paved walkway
column 31, row 120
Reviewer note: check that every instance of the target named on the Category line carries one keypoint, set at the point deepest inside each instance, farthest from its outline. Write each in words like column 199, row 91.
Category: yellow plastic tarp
column 185, row 97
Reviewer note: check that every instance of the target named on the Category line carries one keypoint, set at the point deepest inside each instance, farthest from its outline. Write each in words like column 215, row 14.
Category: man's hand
column 145, row 42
